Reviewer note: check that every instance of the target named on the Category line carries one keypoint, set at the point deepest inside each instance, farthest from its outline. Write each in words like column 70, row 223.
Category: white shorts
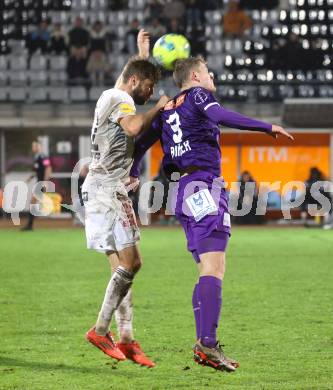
column 110, row 221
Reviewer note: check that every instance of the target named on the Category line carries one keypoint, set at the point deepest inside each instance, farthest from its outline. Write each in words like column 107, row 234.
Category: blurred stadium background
column 56, row 57
column 273, row 61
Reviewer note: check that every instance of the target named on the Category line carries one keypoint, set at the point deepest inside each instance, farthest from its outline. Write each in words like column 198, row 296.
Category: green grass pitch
column 276, row 318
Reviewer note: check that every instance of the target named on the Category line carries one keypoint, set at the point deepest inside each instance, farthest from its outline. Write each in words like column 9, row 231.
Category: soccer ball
column 169, row 48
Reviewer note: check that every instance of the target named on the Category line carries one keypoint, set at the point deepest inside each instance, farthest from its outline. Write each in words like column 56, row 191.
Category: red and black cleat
column 134, row 352
column 213, row 357
column 105, row 344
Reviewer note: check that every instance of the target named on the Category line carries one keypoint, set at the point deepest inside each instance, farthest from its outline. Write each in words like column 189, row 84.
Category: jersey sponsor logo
column 180, row 100
column 126, row 108
column 200, row 97
column 201, row 204
column 171, row 105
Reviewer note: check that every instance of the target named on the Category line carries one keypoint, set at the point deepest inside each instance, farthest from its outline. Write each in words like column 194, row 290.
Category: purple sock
column 210, row 298
column 196, row 309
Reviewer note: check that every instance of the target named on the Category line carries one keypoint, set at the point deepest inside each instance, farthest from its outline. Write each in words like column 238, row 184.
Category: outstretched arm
column 235, row 120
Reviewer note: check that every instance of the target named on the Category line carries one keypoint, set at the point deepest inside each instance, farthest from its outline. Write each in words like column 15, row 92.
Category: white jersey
column 112, row 149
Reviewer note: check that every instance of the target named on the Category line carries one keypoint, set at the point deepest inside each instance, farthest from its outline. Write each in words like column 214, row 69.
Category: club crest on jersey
column 200, row 97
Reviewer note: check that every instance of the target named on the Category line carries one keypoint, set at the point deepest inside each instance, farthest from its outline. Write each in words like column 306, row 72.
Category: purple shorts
column 205, row 230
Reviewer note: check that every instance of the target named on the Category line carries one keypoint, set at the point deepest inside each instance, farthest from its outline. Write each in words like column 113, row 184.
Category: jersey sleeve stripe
column 210, row 104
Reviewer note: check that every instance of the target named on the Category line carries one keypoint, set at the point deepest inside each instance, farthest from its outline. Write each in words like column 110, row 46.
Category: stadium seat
column 57, row 77
column 266, row 93
column 17, row 77
column 232, row 46
column 3, row 78
column 325, row 91
column 99, row 15
column 213, row 17
column 78, row 94
column 214, row 46
column 121, row 32
column 135, row 15
column 306, row 91
column 17, row 46
column 80, row 4
column 61, row 17
column 118, row 61
column 37, row 94
column 38, row 62
column 3, row 93
column 121, row 17
column 118, row 18
column 216, row 62
column 286, row 91
column 18, row 63
column 98, row 4
column 39, row 77
column 213, row 31
column 58, row 94
column 58, row 62
column 273, row 16
column 136, row 4
column 17, row 94
column 117, row 46
column 3, row 63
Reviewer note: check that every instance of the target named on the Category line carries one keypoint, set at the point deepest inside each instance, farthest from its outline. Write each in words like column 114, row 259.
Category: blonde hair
column 183, row 68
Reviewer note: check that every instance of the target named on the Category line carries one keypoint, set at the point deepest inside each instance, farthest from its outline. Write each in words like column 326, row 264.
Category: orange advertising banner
column 284, row 163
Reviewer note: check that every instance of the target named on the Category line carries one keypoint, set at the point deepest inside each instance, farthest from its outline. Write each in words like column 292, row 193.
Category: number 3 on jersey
column 174, row 123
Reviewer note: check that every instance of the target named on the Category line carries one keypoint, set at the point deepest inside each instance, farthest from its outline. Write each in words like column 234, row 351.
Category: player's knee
column 137, row 264
column 215, row 270
column 133, row 264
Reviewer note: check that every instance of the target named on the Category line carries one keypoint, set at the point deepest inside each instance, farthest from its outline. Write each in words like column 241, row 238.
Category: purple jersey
column 188, row 128
column 189, row 137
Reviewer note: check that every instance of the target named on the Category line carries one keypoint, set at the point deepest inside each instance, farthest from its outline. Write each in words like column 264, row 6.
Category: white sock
column 124, row 318
column 117, row 289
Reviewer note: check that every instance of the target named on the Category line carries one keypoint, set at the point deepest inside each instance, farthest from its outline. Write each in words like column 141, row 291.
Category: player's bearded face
column 143, row 91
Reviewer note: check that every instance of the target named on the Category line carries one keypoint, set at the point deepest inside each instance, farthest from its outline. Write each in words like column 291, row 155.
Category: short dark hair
column 141, row 68
column 184, row 67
